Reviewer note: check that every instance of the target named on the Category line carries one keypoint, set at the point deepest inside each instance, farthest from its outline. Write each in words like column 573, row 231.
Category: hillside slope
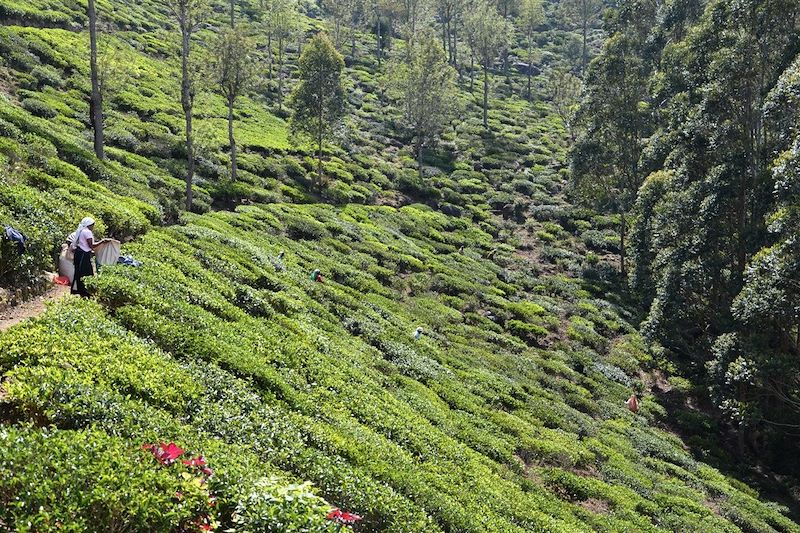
column 507, row 414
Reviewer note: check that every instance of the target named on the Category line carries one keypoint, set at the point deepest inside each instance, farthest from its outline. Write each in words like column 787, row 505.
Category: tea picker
column 418, row 333
column 316, row 276
column 277, row 262
column 633, row 403
column 82, row 245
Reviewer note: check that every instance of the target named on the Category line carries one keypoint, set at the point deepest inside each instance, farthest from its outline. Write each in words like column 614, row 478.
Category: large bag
column 66, row 263
column 107, row 253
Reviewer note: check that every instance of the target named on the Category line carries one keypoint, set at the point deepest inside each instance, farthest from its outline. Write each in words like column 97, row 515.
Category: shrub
column 103, row 483
column 47, row 75
column 272, row 505
column 39, row 108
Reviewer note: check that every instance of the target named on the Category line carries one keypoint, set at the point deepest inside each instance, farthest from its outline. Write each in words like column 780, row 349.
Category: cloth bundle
column 18, row 237
column 107, row 253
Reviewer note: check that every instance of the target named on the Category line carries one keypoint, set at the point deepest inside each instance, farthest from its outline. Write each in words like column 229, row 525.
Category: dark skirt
column 83, row 267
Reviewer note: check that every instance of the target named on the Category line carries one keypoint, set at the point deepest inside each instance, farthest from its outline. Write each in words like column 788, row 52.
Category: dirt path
column 18, row 313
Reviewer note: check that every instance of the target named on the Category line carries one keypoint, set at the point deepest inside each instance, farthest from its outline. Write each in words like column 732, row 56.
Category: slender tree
column 531, row 17
column 96, row 102
column 189, row 15
column 584, row 13
column 445, row 12
column 564, row 91
column 426, row 87
column 379, row 14
column 487, row 34
column 318, row 99
column 232, row 68
column 284, row 23
column 339, row 13
column 374, row 17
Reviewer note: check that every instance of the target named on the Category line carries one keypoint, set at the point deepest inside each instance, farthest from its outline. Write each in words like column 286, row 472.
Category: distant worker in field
column 82, row 245
column 418, row 333
column 317, row 276
column 633, row 403
column 277, row 262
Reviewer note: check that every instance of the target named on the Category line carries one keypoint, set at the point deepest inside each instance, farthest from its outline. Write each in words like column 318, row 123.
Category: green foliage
column 318, row 99
column 65, row 480
column 425, row 83
column 712, row 217
column 506, row 414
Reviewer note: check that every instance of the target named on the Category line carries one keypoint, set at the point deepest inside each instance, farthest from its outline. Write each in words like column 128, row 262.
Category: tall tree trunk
column 455, row 43
column 186, row 103
column 388, row 34
column 584, row 52
column 455, row 49
column 530, row 65
column 419, row 154
column 96, row 104
column 319, row 159
column 379, row 44
column 269, row 55
column 485, row 97
column 231, row 139
column 320, row 126
column 623, row 270
column 233, row 14
column 280, row 73
column 471, row 72
column 353, row 40
column 444, row 36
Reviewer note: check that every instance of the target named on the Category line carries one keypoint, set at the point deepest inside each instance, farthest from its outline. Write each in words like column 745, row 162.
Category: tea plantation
column 218, row 387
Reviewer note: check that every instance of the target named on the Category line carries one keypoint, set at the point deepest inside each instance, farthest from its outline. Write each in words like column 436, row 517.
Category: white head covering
column 85, row 223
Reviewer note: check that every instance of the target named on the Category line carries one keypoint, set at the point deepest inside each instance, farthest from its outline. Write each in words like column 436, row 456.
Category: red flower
column 342, row 517
column 203, row 522
column 179, row 495
column 207, row 471
column 164, row 453
column 197, row 461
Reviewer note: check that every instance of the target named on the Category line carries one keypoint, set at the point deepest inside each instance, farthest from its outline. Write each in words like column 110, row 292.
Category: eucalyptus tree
column 232, row 67
column 530, row 18
column 318, row 100
column 584, row 13
column 487, row 34
column 96, row 98
column 425, row 83
column 189, row 15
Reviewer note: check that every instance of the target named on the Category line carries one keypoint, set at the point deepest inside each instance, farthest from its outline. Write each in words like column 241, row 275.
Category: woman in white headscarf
column 82, row 244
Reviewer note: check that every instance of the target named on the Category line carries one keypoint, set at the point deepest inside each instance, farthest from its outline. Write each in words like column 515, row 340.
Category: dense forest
column 689, row 132
column 401, row 265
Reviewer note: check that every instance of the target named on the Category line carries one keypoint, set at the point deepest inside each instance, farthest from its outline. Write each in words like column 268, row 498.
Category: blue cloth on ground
column 18, row 237
column 128, row 261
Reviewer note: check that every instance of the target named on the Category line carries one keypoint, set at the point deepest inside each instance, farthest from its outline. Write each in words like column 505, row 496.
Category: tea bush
column 506, row 415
